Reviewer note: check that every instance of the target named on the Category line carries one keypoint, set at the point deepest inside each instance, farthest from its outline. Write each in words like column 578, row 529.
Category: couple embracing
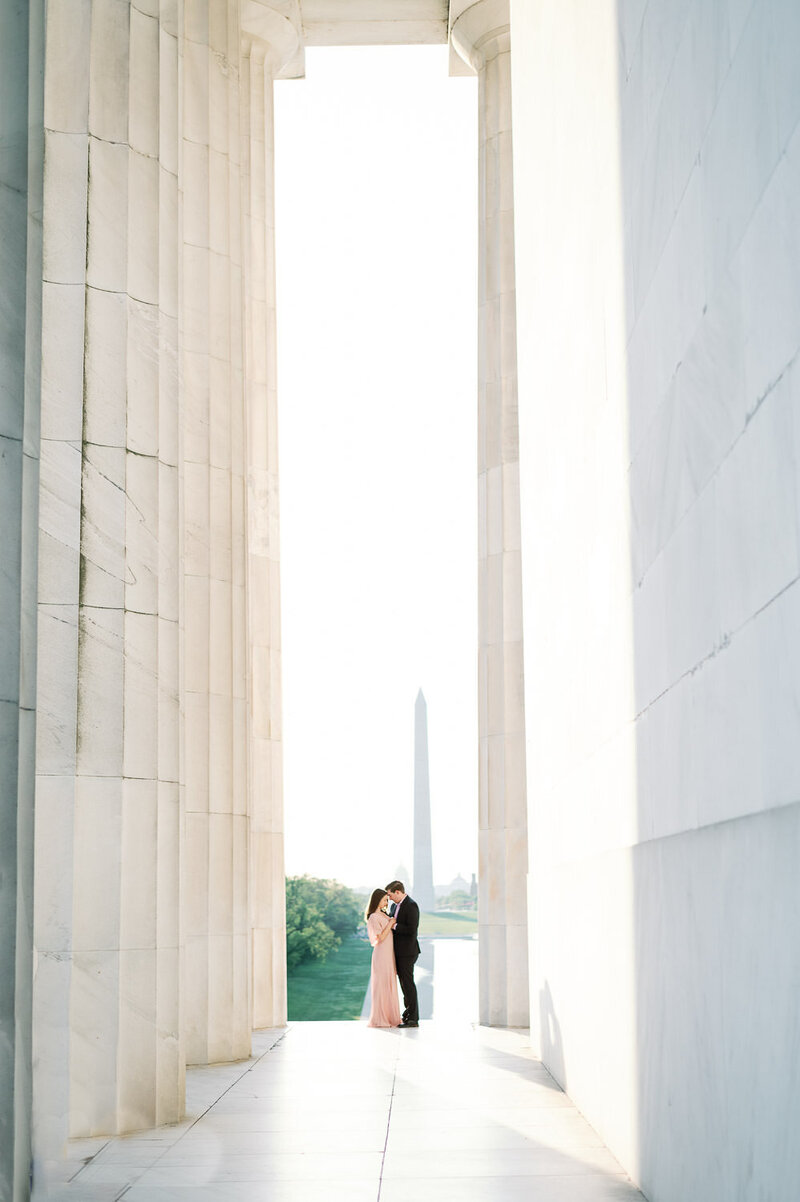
column 392, row 924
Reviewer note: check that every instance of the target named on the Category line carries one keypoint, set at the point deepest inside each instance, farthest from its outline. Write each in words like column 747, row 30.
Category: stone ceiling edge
column 276, row 25
column 471, row 24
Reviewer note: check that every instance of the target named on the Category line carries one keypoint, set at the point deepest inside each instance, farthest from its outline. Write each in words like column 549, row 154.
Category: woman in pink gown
column 385, row 1010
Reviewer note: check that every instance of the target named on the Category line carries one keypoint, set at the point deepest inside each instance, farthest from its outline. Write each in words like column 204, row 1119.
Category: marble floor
column 341, row 1113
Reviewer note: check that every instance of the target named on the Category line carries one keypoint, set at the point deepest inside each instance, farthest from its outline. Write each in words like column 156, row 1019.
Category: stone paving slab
column 339, row 1112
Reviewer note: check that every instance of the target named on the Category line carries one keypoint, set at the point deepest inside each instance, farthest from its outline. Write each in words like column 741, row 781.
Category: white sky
column 376, row 169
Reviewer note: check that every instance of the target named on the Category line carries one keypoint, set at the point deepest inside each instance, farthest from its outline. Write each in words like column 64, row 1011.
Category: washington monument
column 423, row 866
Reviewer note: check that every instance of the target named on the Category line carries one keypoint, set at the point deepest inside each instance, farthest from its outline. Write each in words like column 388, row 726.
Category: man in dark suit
column 406, row 948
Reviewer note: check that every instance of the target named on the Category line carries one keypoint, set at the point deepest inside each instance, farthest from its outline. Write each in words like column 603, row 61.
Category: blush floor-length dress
column 385, row 1010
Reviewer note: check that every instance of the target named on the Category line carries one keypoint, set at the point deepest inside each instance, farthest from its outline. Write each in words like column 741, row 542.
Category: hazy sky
column 376, row 167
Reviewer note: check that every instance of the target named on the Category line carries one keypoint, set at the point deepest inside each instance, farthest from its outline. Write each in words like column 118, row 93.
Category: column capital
column 477, row 30
column 271, row 30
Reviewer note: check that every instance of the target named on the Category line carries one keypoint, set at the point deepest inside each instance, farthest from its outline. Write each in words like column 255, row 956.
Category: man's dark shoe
column 405, row 1024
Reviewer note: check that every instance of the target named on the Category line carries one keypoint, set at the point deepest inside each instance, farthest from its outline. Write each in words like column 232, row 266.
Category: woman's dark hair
column 377, row 897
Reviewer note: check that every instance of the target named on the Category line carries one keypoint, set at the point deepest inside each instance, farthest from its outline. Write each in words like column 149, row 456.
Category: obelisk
column 422, row 890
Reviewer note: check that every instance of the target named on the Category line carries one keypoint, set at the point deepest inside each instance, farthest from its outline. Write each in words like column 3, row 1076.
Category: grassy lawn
column 331, row 989
column 448, row 924
column 334, row 989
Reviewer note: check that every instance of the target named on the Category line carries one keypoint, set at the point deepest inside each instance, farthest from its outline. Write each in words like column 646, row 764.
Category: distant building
column 458, row 882
column 401, row 873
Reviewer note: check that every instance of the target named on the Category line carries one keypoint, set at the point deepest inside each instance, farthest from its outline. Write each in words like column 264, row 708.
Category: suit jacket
column 406, row 944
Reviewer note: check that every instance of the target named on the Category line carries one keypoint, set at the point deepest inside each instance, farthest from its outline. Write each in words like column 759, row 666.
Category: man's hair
column 394, row 886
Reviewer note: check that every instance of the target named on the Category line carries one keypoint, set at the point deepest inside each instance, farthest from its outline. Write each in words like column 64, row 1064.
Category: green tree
column 319, row 914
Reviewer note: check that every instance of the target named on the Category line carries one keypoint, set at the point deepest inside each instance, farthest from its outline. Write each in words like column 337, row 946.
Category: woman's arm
column 387, row 930
column 378, row 930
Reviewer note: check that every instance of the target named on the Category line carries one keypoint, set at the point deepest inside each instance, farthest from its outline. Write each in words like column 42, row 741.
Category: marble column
column 108, row 1053
column 215, row 869
column 270, row 41
column 21, row 57
column 481, row 36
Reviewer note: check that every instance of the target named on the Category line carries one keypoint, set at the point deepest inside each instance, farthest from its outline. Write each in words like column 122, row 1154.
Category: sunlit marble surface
column 658, row 313
column 337, row 1111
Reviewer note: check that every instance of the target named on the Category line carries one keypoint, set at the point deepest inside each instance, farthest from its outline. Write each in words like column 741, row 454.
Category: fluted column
column 215, row 871
column 21, row 57
column 481, row 36
column 270, row 40
column 107, row 1044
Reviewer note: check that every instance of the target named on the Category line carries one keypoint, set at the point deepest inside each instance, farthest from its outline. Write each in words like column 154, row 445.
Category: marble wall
column 657, row 182
column 21, row 54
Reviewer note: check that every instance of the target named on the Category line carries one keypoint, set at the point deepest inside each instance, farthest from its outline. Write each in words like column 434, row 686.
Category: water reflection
column 446, row 975
column 423, row 975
